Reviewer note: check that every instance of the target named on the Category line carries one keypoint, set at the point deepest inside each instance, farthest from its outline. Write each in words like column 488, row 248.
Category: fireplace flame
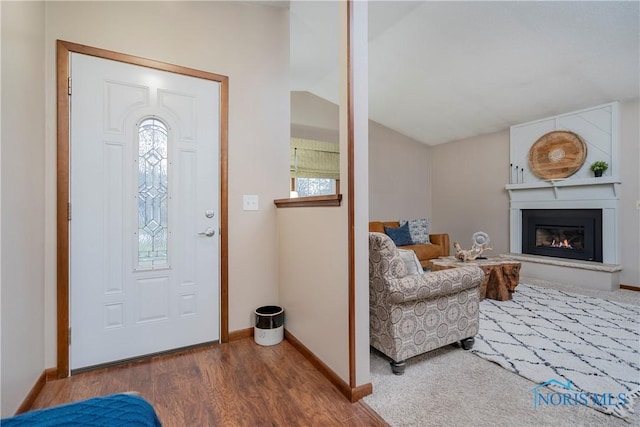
column 561, row 244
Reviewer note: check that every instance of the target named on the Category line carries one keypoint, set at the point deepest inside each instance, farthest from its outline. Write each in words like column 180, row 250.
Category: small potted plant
column 598, row 167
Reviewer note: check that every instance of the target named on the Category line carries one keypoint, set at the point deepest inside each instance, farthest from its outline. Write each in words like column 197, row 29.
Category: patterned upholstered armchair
column 413, row 314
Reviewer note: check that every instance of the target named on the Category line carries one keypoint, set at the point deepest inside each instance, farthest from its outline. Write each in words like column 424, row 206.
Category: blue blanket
column 115, row 410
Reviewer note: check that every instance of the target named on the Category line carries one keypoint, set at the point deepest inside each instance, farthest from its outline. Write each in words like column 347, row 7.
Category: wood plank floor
column 234, row 384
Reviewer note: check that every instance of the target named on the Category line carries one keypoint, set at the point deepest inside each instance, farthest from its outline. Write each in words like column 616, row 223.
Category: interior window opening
column 315, row 168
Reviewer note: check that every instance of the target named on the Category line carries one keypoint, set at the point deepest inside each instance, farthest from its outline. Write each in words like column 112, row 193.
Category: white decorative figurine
column 480, row 244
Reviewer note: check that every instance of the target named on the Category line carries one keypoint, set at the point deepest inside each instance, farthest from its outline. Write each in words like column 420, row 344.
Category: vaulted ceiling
column 444, row 71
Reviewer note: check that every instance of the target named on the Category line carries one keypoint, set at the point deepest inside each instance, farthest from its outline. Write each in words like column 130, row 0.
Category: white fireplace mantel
column 558, row 189
column 596, row 193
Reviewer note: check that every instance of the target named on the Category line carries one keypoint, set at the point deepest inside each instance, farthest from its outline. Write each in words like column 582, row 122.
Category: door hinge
column 69, row 336
column 69, row 86
column 68, row 211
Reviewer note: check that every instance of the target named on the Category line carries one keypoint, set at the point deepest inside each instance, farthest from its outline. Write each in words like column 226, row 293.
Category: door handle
column 209, row 232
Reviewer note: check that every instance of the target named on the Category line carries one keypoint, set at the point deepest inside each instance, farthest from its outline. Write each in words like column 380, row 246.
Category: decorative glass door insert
column 153, row 198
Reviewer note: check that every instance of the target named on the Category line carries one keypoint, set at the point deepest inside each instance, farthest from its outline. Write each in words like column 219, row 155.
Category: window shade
column 315, row 159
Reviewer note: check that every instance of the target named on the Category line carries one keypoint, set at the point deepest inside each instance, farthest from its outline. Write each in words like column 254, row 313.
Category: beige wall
column 22, row 171
column 400, row 179
column 248, row 43
column 314, row 281
column 313, row 117
column 468, row 194
column 468, row 191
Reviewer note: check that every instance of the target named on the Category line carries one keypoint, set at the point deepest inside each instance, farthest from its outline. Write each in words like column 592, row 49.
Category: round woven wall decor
column 557, row 154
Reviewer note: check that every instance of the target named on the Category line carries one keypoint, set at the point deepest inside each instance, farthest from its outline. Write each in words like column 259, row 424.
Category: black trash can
column 269, row 329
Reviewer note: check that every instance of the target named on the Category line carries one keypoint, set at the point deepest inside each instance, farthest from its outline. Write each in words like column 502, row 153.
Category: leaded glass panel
column 315, row 186
column 153, row 200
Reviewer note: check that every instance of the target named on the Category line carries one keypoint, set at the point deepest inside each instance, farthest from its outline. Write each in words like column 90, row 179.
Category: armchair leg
column 398, row 367
column 467, row 343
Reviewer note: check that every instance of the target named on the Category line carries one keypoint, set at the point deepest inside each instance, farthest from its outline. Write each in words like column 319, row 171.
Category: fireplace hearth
column 563, row 233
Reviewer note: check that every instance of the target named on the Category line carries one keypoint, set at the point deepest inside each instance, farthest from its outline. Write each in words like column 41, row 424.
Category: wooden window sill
column 308, row 202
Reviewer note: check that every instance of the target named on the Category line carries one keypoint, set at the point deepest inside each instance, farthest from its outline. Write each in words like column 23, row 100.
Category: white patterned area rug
column 579, row 349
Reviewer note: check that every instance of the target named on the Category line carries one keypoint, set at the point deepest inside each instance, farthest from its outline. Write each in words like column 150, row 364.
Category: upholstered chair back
column 385, row 262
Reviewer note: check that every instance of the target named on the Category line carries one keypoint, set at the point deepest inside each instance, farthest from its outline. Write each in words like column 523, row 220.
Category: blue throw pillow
column 400, row 235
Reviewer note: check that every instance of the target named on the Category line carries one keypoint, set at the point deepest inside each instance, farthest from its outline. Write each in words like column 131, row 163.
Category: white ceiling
column 444, row 71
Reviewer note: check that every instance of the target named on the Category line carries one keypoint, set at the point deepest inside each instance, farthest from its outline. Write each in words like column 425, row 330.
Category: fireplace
column 563, row 233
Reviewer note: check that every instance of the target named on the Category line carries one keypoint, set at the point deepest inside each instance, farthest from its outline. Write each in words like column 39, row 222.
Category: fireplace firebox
column 563, row 233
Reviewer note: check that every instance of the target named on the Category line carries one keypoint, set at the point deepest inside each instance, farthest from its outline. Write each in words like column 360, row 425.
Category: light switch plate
column 250, row 202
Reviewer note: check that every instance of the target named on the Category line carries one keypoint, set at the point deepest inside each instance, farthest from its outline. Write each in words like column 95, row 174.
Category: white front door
column 144, row 247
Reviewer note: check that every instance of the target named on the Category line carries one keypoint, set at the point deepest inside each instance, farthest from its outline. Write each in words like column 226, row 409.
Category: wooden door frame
column 64, row 49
